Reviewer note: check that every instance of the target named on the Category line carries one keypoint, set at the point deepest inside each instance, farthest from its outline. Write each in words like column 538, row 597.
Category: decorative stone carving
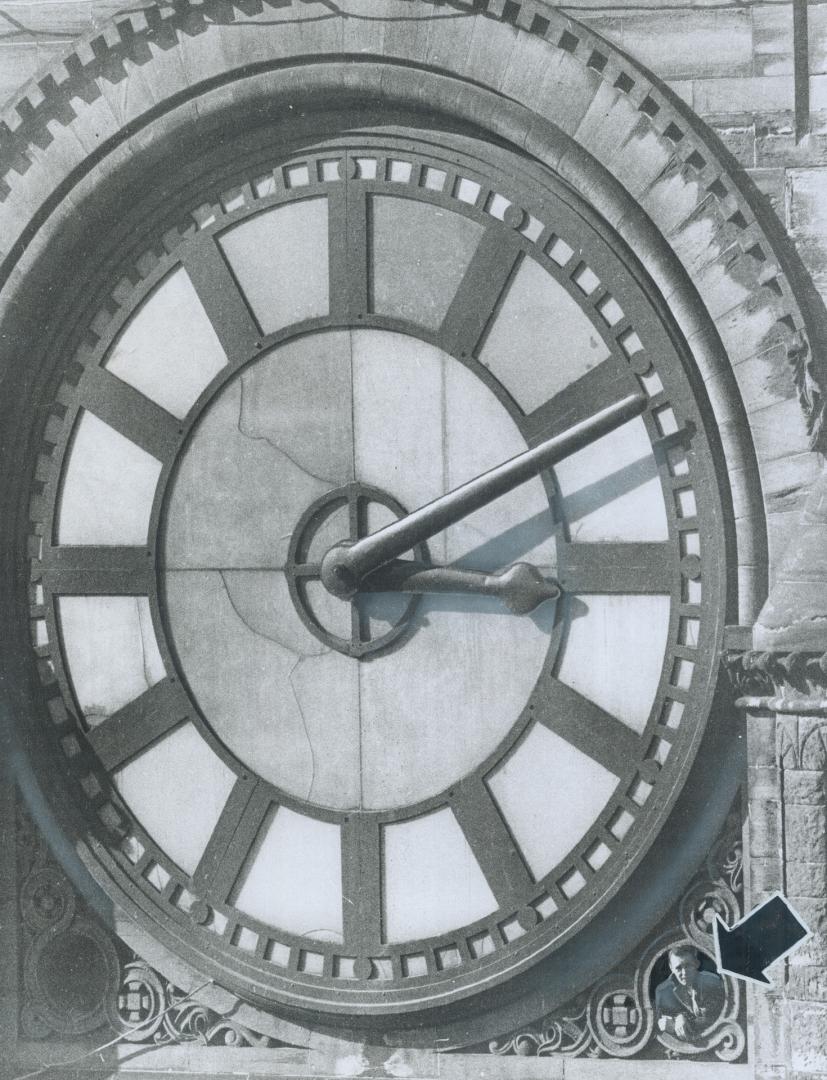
column 617, row 1017
column 74, row 980
column 70, row 966
column 794, row 681
column 152, row 1010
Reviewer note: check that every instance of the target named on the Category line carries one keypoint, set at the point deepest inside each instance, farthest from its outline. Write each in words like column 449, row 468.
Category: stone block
column 804, row 878
column 743, row 100
column 18, row 63
column 788, row 481
column 608, row 122
column 806, row 196
column 565, row 92
column 691, row 44
column 804, row 786
column 761, row 753
column 782, row 530
column 765, row 828
column 804, row 827
column 779, row 431
column 807, row 983
column 674, row 195
column 766, row 872
column 772, row 34
column 817, row 38
column 770, row 1027
column 808, row 1037
column 765, row 781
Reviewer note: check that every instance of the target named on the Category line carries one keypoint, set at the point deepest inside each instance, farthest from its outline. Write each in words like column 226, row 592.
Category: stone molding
column 793, row 682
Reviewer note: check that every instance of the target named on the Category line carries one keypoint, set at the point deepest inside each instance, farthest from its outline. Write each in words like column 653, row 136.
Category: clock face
column 378, row 804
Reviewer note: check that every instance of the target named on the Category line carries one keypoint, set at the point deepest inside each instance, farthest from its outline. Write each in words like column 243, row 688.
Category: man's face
column 684, row 968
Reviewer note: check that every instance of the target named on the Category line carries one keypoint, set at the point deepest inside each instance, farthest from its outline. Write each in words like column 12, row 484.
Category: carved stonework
column 617, row 1017
column 70, row 966
column 152, row 1010
column 782, row 682
column 75, row 978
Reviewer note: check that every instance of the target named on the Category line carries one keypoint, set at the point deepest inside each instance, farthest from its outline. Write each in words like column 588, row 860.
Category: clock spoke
column 630, row 568
column 92, row 570
column 604, row 385
column 221, row 298
column 362, row 882
column 137, row 725
column 489, row 838
column 585, row 726
column 129, row 412
column 232, row 838
column 348, row 251
column 479, row 291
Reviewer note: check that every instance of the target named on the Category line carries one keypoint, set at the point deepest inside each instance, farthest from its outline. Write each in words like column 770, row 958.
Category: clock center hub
column 356, row 624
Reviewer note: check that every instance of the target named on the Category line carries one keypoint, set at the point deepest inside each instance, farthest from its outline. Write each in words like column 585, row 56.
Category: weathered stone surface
column 805, row 830
column 766, row 873
column 804, row 878
column 772, row 35
column 691, row 44
column 761, row 752
column 765, row 782
column 765, row 834
column 808, row 1037
column 804, row 786
column 788, row 481
column 735, row 100
column 795, row 614
column 770, row 1026
column 808, row 983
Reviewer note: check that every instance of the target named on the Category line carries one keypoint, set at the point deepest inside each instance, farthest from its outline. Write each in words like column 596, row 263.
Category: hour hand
column 521, row 587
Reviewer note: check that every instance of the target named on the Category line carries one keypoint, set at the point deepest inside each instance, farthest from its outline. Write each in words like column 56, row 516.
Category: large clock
column 371, row 801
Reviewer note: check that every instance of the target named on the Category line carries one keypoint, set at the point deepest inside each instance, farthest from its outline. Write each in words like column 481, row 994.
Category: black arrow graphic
column 763, row 936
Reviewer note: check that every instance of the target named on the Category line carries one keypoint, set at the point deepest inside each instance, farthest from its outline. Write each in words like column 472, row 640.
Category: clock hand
column 521, row 587
column 346, row 564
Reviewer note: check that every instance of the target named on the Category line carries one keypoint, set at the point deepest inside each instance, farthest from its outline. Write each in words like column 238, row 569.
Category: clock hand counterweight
column 521, row 587
column 346, row 565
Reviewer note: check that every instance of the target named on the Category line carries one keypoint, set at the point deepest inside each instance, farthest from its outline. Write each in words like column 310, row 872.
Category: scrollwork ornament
column 699, row 907
column 620, row 1016
column 141, row 1002
column 566, row 1034
column 726, row 1038
column 47, row 901
column 152, row 1010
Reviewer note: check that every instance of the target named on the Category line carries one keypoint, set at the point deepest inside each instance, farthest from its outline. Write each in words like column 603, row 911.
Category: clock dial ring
column 446, row 942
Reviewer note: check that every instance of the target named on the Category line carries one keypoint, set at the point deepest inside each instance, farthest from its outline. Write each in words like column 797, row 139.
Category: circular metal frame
column 520, row 952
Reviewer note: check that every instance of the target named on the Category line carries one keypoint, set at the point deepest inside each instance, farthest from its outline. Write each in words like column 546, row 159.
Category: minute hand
column 345, row 565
